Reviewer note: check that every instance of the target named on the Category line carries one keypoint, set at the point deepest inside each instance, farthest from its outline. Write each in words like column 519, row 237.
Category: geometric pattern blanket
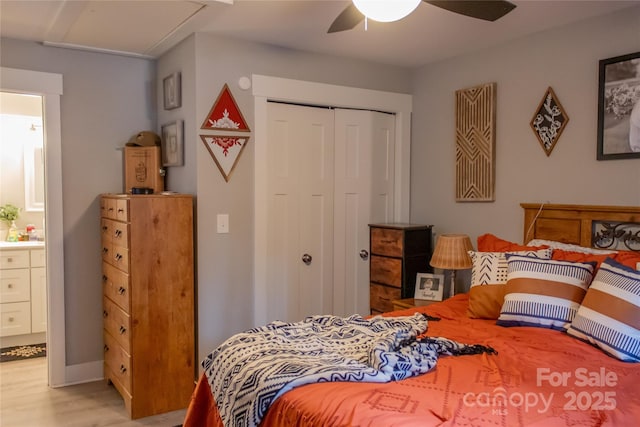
column 252, row 369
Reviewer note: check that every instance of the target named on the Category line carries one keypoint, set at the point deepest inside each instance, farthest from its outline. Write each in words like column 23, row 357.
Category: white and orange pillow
column 544, row 293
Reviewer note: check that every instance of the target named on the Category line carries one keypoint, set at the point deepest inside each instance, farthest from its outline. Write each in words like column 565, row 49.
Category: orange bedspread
column 540, row 377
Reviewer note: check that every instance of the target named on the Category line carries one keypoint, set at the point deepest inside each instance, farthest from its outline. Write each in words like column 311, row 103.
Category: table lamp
column 451, row 253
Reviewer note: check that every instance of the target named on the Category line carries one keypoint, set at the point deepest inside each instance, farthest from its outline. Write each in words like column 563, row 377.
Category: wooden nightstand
column 403, row 304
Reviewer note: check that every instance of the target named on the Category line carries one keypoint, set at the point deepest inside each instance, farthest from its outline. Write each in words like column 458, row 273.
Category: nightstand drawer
column 381, row 297
column 386, row 241
column 387, row 271
column 403, row 304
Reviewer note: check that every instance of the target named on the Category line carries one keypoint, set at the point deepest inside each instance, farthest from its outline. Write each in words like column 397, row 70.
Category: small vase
column 12, row 235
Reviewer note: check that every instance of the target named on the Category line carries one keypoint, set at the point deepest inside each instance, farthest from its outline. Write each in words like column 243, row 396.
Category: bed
column 541, row 375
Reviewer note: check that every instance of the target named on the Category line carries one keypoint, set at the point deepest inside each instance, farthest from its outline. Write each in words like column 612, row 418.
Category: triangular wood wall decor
column 225, row 151
column 225, row 114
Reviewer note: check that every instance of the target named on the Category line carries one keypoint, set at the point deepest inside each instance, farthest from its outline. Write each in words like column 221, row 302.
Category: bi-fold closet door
column 330, row 174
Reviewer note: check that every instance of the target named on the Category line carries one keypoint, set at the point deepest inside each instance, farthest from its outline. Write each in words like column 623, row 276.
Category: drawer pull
column 121, row 290
column 123, row 369
column 105, row 250
column 9, row 259
column 118, row 233
column 110, row 209
column 118, row 257
column 10, row 286
column 105, row 314
column 11, row 319
column 105, row 228
column 122, row 330
column 120, row 210
column 387, row 241
column 104, row 278
column 106, row 348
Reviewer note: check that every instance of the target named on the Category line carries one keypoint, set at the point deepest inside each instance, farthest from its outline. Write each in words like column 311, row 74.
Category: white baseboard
column 84, row 373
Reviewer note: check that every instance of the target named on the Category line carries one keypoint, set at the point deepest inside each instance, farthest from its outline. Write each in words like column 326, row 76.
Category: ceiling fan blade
column 347, row 20
column 488, row 10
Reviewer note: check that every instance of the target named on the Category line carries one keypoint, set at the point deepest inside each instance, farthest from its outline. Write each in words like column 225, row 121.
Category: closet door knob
column 306, row 258
column 364, row 255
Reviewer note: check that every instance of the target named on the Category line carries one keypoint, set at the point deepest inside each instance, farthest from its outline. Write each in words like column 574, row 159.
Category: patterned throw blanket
column 252, row 369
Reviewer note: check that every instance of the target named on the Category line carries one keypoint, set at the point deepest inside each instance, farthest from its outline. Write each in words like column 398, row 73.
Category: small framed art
column 172, row 144
column 429, row 287
column 171, row 89
column 619, row 107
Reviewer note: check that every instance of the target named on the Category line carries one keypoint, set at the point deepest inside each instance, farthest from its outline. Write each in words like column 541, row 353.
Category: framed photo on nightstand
column 429, row 286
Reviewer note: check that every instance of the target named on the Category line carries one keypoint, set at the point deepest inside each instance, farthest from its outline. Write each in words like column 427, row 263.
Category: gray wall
column 565, row 59
column 106, row 99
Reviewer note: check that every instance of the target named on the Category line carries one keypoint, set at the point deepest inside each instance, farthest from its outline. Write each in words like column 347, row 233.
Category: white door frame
column 267, row 88
column 49, row 86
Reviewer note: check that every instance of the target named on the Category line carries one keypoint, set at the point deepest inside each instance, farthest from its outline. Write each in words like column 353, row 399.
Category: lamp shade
column 386, row 10
column 451, row 252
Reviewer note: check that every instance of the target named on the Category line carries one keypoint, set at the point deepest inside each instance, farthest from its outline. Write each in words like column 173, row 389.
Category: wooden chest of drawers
column 398, row 253
column 148, row 300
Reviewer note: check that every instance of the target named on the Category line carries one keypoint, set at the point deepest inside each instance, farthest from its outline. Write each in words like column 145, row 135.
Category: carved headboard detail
column 607, row 227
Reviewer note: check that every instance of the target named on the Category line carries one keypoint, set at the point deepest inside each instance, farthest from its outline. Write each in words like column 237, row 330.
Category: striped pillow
column 544, row 293
column 488, row 279
column 609, row 316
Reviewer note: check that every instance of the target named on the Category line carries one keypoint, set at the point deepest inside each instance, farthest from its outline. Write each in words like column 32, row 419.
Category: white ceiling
column 151, row 27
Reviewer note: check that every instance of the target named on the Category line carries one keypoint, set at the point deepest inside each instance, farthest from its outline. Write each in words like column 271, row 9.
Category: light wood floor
column 27, row 401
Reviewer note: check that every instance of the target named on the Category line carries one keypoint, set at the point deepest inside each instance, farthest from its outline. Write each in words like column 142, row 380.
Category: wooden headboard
column 615, row 227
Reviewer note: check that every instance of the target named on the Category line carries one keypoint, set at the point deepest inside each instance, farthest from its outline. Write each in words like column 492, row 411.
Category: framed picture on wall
column 171, row 90
column 172, row 144
column 429, row 287
column 619, row 107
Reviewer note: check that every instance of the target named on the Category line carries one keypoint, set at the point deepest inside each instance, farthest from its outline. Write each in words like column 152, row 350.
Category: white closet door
column 364, row 170
column 300, row 211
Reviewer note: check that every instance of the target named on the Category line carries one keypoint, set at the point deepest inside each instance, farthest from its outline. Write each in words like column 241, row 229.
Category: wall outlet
column 223, row 223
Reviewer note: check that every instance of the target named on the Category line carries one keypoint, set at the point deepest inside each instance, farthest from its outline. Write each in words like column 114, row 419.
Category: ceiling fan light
column 386, row 10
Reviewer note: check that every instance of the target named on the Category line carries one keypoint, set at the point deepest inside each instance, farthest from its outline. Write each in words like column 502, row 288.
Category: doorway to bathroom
column 41, row 205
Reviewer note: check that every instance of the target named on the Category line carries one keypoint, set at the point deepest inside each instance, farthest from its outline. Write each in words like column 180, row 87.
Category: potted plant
column 9, row 213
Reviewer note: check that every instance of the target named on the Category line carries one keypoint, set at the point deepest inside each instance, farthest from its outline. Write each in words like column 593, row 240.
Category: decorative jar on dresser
column 148, row 300
column 398, row 252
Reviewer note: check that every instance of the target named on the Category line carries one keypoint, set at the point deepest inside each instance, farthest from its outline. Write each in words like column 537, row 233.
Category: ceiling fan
column 488, row 10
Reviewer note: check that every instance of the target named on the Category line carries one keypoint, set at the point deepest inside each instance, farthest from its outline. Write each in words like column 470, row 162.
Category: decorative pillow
column 628, row 258
column 488, row 278
column 559, row 254
column 569, row 247
column 491, row 243
column 609, row 316
column 543, row 293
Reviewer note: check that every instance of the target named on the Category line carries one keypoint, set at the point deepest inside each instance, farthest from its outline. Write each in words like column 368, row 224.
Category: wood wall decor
column 475, row 143
column 549, row 121
column 225, row 114
column 225, row 151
